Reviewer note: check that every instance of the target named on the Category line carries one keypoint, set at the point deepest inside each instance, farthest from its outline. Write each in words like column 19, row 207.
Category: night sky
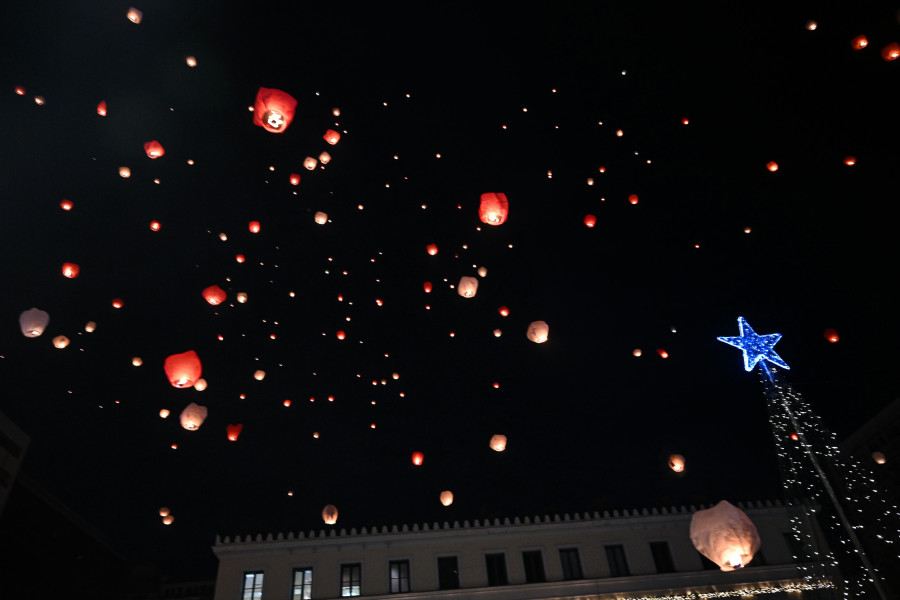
column 437, row 106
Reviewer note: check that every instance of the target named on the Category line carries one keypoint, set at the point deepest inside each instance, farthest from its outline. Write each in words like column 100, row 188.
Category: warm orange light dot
column 684, row 121
column 496, row 385
column 418, row 458
column 831, row 335
column 118, row 303
column 859, row 42
column 295, row 179
column 602, row 169
column 772, row 166
column 504, row 312
column 70, row 270
column 240, row 258
column 253, row 226
column 850, row 161
column 20, row 91
column 633, row 198
column 432, row 249
column 191, row 61
column 590, row 220
column 663, row 353
column 619, row 133
column 427, row 287
column 891, row 51
column 154, row 225
column 66, row 205
column 101, row 109
column 637, row 352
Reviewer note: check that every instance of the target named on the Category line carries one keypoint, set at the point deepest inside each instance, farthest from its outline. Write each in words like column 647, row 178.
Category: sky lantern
column 446, row 497
column 432, row 249
column 494, row 209
column 234, row 431
column 60, row 342
column 90, row 327
column 164, row 511
column 70, row 270
column 20, row 91
column 637, row 352
column 310, row 163
column 241, row 297
column 191, row 61
column 200, row 385
column 859, row 42
column 118, row 303
column 332, row 137
column 183, row 370
column 633, row 198
column 891, row 51
column 831, row 335
column 590, row 220
column 482, row 271
column 330, row 514
column 538, row 332
column 273, row 110
column 168, row 519
column 101, row 108
column 66, row 205
column 468, row 287
column 725, row 535
column 772, row 166
column 240, row 258
column 124, row 172
column 849, row 160
column 192, row 416
column 295, row 179
column 341, row 335
column 164, row 413
column 134, row 15
column 504, row 311
column 879, row 458
column 253, row 226
column 498, row 442
column 259, row 375
column 427, row 287
column 324, row 158
column 214, row 295
column 662, row 353
column 155, row 225
column 320, row 217
column 137, row 361
column 154, row 149
column 418, row 458
column 676, row 463
column 498, row 332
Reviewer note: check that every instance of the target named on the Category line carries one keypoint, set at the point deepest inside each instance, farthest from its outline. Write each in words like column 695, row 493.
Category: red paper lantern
column 234, row 431
column 154, row 149
column 66, row 205
column 427, row 287
column 662, row 353
column 891, row 51
column 70, row 270
column 504, row 312
column 341, row 335
column 494, row 209
column 418, row 458
column 295, row 179
column 772, row 166
column 183, row 370
column 859, row 42
column 118, row 303
column 214, row 295
column 155, row 225
column 273, row 110
column 240, row 258
column 332, row 137
column 590, row 220
column 432, row 249
column 253, row 226
column 831, row 335
column 633, row 198
column 101, row 108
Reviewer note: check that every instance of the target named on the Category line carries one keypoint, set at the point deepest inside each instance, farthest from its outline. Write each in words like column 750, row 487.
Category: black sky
column 589, row 425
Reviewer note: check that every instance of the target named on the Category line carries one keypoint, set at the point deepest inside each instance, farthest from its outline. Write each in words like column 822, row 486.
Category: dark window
column 496, row 568
column 448, row 573
column 571, row 564
column 708, row 564
column 534, row 566
column 350, row 578
column 662, row 557
column 399, row 576
column 618, row 566
column 253, row 583
column 302, row 584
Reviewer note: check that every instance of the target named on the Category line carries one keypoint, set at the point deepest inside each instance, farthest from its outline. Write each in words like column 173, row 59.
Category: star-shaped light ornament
column 755, row 347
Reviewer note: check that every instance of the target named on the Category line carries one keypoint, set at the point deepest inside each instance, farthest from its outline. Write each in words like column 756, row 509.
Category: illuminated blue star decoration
column 756, row 347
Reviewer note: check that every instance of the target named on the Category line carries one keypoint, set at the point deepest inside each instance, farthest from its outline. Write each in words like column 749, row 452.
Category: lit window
column 350, row 579
column 302, row 584
column 253, row 583
column 448, row 573
column 618, row 566
column 496, row 569
column 534, row 566
column 662, row 557
column 399, row 576
column 571, row 564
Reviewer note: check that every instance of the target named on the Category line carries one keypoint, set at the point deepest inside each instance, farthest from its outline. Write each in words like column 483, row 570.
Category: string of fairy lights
column 742, row 592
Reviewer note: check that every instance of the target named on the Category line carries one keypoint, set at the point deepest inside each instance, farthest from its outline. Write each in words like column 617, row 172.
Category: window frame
column 612, row 548
column 501, row 574
column 357, row 566
column 303, row 587
column 455, row 558
column 400, row 562
column 542, row 574
column 565, row 565
column 671, row 557
column 257, row 575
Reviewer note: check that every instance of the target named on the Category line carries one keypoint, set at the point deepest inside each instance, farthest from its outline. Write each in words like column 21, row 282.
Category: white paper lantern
column 725, row 535
column 33, row 322
column 192, row 416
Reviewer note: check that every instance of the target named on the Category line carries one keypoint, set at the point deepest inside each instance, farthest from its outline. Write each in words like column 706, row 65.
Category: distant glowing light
column 859, row 42
column 891, row 52
column 772, row 166
column 850, row 161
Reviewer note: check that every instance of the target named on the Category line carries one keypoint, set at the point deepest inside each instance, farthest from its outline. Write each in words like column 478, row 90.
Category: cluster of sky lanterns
column 166, row 514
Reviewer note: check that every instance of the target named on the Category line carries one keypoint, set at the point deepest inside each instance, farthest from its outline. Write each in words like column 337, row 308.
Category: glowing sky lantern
column 417, row 458
column 341, row 335
column 154, row 149
column 324, row 158
column 101, row 108
column 200, row 385
column 295, row 179
column 70, row 270
column 330, row 514
column 831, row 335
column 676, row 463
column 494, row 208
column 310, row 163
column 725, row 535
column 66, row 205
column 446, row 497
column 482, row 271
column 427, row 287
column 241, row 297
column 504, row 311
column 137, row 361
column 259, row 375
column 320, row 217
column 891, row 51
column 60, row 341
column 90, row 327
column 134, row 15
column 772, row 166
column 233, row 431
column 240, row 258
column 183, row 370
column 468, row 287
column 332, row 137
column 192, row 416
column 633, row 198
column 273, row 110
column 191, row 61
column 879, row 458
column 168, row 519
column 590, row 220
column 164, row 511
column 538, row 332
column 214, row 295
column 253, row 226
column 432, row 249
column 662, row 353
column 859, row 42
column 118, row 303
column 849, row 160
column 155, row 225
column 498, row 442
column 124, row 172
column 164, row 413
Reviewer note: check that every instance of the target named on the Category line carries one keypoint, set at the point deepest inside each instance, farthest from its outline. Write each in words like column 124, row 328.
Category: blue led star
column 755, row 347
